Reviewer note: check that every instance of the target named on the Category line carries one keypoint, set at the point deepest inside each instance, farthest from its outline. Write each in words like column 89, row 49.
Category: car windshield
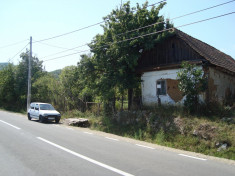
column 46, row 107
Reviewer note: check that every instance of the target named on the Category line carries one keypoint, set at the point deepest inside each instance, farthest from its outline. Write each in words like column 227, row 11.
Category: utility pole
column 29, row 76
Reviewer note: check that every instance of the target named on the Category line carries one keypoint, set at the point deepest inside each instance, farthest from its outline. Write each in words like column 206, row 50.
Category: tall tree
column 45, row 89
column 21, row 82
column 116, row 51
column 7, row 89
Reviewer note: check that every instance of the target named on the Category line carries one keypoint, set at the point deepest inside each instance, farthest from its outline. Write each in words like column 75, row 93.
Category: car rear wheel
column 29, row 117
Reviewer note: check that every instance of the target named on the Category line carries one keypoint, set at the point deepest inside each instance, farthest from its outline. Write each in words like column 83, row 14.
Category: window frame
column 163, row 90
column 37, row 107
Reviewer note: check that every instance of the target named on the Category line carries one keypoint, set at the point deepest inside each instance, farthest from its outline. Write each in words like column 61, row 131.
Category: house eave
column 164, row 67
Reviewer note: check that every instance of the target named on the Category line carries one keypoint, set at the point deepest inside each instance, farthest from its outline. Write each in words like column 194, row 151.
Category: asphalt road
column 31, row 148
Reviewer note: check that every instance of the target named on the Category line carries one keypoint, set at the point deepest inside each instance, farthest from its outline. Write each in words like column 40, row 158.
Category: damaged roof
column 211, row 54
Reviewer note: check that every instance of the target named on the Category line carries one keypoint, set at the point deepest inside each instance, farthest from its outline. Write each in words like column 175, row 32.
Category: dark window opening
column 161, row 87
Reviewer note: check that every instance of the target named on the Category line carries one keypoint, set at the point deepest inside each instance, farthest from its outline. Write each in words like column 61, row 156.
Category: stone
column 222, row 147
column 80, row 122
column 217, row 144
column 205, row 131
column 179, row 123
column 195, row 132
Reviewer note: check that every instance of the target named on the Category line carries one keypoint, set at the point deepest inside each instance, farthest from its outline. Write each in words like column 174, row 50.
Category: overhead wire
column 147, row 26
column 18, row 52
column 40, row 41
column 65, row 50
column 67, row 33
column 147, row 34
column 88, row 43
column 188, row 14
column 13, row 44
column 177, row 27
column 156, row 3
column 55, row 46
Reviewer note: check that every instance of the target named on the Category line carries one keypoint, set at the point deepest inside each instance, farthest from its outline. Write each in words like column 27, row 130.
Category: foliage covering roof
column 211, row 54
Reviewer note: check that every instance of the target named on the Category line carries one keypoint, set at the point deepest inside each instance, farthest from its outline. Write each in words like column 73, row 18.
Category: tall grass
column 157, row 125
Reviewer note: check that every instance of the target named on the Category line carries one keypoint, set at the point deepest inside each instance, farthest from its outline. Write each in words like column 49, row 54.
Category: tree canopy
column 117, row 50
column 106, row 74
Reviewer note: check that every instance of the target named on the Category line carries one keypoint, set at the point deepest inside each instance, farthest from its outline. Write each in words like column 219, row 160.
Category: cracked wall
column 221, row 87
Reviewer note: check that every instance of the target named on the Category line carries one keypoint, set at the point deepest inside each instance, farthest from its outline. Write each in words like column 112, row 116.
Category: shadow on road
column 46, row 122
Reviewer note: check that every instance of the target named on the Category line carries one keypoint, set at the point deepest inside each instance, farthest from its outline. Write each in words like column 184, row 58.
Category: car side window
column 32, row 106
column 37, row 107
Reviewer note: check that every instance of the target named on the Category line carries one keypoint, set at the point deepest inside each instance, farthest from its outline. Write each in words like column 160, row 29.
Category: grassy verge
column 13, row 110
column 170, row 126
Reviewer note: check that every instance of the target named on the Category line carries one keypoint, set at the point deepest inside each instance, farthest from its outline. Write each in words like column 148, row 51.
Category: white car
column 43, row 112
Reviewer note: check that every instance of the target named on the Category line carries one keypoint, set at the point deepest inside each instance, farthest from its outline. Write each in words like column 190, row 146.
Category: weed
column 158, row 125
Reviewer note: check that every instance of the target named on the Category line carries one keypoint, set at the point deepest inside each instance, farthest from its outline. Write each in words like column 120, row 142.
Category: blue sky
column 41, row 19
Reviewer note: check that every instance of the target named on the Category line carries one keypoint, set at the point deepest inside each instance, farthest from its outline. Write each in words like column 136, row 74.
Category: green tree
column 7, row 87
column 21, row 77
column 45, row 89
column 87, row 76
column 191, row 83
column 116, row 60
column 67, row 80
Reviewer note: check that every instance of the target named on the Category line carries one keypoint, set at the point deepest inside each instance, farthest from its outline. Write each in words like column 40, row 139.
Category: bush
column 191, row 83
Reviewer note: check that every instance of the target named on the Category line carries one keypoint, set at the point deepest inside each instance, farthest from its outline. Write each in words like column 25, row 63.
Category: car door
column 36, row 111
column 31, row 110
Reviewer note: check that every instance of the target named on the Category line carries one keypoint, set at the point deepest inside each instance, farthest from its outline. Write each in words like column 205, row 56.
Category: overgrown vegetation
column 173, row 127
column 106, row 75
column 191, row 82
column 104, row 84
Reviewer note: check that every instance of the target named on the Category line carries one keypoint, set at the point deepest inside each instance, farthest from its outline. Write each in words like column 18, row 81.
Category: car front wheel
column 41, row 119
column 57, row 120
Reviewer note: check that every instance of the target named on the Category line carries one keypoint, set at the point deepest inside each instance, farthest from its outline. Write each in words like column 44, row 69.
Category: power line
column 82, row 28
column 149, row 25
column 66, row 55
column 18, row 52
column 146, row 35
column 13, row 44
column 176, row 17
column 174, row 27
column 65, row 50
column 54, row 46
column 86, row 43
column 156, row 3
column 69, row 32
column 203, row 9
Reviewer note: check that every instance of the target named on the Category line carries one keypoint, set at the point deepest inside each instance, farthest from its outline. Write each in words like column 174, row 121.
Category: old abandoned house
column 159, row 66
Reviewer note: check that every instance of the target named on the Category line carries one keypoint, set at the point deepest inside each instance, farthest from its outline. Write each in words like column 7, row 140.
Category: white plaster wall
column 222, row 81
column 148, row 86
